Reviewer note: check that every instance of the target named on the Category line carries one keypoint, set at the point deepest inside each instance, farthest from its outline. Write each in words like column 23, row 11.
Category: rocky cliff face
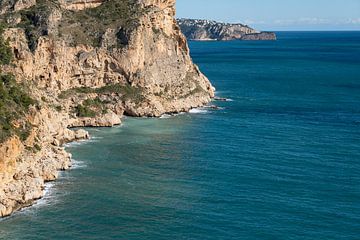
column 88, row 62
column 204, row 30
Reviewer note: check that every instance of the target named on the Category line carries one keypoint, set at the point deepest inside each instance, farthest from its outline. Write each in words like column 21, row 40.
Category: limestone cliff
column 205, row 30
column 86, row 63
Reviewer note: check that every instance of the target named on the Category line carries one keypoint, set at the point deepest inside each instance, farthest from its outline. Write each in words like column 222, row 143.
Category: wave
column 75, row 143
column 77, row 164
column 166, row 116
column 47, row 200
column 222, row 99
column 198, row 111
column 213, row 107
column 82, row 142
column 48, row 195
column 96, row 138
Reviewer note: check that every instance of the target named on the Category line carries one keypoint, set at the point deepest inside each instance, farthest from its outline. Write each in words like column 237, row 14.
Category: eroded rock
column 74, row 69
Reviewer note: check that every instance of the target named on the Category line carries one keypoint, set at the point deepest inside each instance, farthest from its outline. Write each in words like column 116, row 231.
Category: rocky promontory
column 79, row 63
column 205, row 30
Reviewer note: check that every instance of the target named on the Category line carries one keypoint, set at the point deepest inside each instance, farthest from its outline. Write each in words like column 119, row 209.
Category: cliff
column 205, row 30
column 85, row 63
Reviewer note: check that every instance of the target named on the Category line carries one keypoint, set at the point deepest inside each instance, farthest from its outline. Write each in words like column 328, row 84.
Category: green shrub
column 84, row 111
column 14, row 100
column 90, row 108
column 73, row 91
column 14, row 104
column 89, row 25
column 34, row 21
column 58, row 108
column 37, row 147
column 5, row 51
column 126, row 92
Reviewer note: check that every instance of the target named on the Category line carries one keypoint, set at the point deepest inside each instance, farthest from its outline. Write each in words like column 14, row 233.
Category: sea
column 280, row 159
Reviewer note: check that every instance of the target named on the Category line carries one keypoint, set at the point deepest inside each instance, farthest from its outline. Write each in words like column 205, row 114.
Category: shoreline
column 90, row 80
column 66, row 157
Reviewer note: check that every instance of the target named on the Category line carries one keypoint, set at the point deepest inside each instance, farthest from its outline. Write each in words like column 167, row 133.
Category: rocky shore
column 205, row 30
column 263, row 36
column 86, row 63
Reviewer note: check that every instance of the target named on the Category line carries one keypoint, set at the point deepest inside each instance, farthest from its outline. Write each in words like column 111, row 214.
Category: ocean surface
column 281, row 160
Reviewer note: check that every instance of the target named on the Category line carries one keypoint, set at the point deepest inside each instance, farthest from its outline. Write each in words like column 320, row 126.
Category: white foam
column 198, row 111
column 165, row 116
column 73, row 144
column 214, row 108
column 47, row 199
column 221, row 99
column 48, row 195
column 81, row 142
column 76, row 164
column 96, row 138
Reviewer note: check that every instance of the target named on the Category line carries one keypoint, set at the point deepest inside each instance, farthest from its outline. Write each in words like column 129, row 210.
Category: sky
column 277, row 15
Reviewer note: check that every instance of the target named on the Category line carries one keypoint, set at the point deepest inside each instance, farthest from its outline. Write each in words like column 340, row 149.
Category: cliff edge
column 79, row 63
column 205, row 30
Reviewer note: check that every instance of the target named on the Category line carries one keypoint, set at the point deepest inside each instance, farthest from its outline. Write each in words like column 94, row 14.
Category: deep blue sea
column 279, row 161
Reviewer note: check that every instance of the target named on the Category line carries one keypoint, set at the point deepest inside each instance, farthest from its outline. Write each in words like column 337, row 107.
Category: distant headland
column 206, row 30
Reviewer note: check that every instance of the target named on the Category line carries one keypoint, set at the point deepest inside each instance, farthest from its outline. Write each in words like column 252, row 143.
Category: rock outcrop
column 205, row 30
column 81, row 4
column 263, row 36
column 109, row 119
column 88, row 62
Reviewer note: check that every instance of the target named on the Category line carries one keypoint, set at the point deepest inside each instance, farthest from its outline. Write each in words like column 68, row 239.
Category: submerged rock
column 221, row 99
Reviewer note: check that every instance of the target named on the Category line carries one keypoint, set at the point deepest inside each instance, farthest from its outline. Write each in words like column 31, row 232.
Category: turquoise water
column 280, row 161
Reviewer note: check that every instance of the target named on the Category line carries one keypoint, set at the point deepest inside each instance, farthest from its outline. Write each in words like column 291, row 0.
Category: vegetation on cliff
column 88, row 26
column 76, row 27
column 34, row 20
column 95, row 107
column 5, row 51
column 14, row 101
column 111, row 56
column 91, row 108
column 126, row 92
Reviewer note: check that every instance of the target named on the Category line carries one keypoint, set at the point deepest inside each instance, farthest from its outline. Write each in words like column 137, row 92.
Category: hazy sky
column 277, row 14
